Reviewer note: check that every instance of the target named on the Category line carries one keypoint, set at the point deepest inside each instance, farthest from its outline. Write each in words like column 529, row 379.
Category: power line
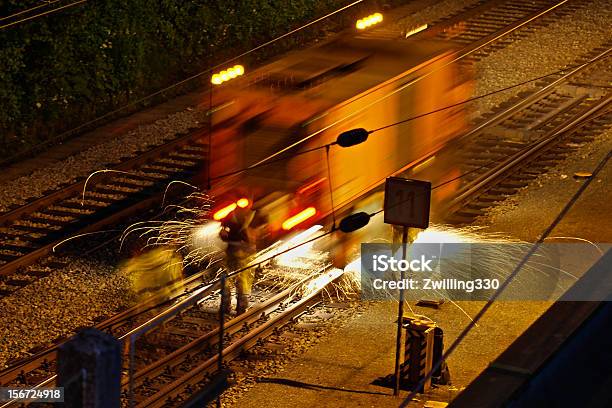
column 76, row 3
column 43, row 4
column 59, row 137
column 505, row 284
column 336, row 122
column 490, row 93
column 270, row 160
column 474, row 170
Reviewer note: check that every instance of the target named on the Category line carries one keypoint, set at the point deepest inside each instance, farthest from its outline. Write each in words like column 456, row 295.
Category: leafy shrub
column 63, row 69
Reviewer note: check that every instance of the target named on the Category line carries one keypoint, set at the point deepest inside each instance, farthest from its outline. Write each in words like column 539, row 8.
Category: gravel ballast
column 541, row 200
column 98, row 157
column 431, row 14
column 56, row 305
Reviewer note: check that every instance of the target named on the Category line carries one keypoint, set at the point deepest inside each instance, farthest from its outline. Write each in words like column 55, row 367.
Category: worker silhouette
column 239, row 236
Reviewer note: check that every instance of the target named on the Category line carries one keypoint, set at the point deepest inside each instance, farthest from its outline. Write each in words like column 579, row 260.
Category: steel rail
column 28, row 364
column 166, row 315
column 210, row 338
column 75, row 189
column 506, row 113
column 518, row 159
column 199, row 373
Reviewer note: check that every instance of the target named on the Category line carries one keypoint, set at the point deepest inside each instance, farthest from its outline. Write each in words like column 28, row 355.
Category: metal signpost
column 407, row 205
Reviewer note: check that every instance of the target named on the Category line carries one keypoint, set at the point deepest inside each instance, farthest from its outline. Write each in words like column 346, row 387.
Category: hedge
column 61, row 70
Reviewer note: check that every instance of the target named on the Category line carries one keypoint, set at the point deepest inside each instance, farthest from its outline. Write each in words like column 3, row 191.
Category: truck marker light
column 298, row 218
column 224, row 212
column 243, row 202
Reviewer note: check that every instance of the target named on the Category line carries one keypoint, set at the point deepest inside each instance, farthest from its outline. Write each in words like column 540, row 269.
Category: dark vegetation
column 59, row 71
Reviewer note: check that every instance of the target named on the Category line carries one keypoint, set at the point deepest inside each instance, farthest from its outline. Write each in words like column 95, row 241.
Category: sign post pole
column 406, row 204
column 400, row 316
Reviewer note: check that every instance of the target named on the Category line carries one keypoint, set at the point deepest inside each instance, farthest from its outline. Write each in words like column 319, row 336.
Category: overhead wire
column 328, row 145
column 506, row 282
column 76, row 3
column 277, row 160
column 43, row 4
column 257, row 164
column 272, row 158
column 327, row 127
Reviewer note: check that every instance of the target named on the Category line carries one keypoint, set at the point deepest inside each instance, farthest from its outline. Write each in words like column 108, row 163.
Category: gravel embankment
column 98, row 157
column 56, row 305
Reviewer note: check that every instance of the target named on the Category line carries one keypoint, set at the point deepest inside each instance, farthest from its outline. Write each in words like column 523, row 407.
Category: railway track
column 173, row 379
column 487, row 26
column 173, row 352
column 30, row 232
column 485, row 22
column 532, row 134
column 37, row 367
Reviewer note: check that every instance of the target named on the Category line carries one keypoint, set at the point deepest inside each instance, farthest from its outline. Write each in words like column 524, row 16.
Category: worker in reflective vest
column 236, row 231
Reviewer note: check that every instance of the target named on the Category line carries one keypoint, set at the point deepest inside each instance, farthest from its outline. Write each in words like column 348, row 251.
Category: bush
column 61, row 70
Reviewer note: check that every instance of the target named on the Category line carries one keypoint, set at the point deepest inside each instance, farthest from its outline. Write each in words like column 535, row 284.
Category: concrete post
column 89, row 369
